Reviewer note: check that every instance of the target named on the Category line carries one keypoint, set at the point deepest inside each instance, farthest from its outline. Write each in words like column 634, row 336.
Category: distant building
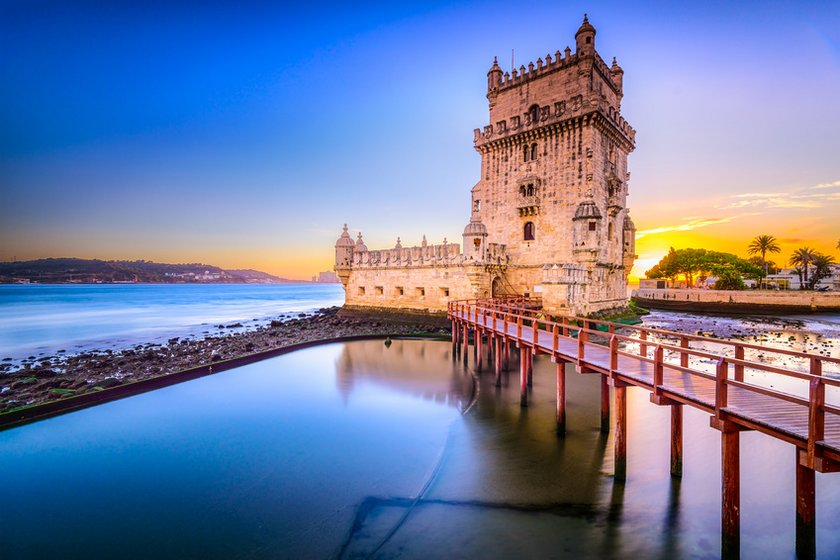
column 787, row 279
column 328, row 277
column 549, row 214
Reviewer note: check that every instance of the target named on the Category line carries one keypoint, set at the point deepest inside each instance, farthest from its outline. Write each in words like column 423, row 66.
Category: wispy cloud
column 690, row 224
column 817, row 196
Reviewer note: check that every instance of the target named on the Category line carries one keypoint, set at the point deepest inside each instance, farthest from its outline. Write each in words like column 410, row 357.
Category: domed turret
column 360, row 244
column 344, row 249
column 617, row 74
column 585, row 38
column 494, row 80
column 587, row 210
column 475, row 239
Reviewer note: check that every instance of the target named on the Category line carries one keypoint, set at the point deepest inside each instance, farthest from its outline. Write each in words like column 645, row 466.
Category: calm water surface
column 358, row 449
column 42, row 319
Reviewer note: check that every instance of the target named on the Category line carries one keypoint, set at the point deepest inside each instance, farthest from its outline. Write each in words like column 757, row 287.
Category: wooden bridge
column 738, row 387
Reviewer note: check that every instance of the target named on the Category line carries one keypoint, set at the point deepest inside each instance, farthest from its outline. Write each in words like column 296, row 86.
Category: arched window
column 530, row 190
column 610, row 232
column 526, row 152
column 529, row 231
column 522, row 190
column 533, row 151
column 534, row 113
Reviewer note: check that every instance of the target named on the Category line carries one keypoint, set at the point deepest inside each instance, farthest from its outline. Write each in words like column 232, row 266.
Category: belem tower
column 548, row 215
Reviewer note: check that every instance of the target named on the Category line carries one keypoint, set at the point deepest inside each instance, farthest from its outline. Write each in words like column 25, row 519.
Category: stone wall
column 420, row 288
column 745, row 301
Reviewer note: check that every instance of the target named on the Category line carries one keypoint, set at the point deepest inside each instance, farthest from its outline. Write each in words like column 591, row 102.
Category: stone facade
column 549, row 215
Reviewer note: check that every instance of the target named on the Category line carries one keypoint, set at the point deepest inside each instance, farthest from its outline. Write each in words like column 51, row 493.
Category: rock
column 109, row 382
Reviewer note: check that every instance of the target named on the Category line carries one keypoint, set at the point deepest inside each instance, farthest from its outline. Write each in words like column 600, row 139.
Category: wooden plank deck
column 773, row 416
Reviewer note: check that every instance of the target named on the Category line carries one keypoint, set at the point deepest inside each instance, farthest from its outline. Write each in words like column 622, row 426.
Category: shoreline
column 63, row 379
column 740, row 302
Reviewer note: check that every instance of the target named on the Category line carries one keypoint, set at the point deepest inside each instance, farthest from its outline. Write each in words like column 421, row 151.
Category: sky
column 244, row 134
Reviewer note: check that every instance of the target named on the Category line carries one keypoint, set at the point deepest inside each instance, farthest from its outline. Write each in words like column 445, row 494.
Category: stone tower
column 554, row 177
column 548, row 215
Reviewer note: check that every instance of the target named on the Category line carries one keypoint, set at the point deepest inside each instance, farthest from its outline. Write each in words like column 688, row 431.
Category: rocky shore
column 50, row 378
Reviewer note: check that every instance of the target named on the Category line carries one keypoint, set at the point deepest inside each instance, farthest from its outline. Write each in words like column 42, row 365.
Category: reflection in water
column 410, row 367
column 357, row 450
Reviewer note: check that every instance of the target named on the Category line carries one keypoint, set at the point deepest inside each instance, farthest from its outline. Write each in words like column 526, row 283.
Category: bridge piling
column 498, row 356
column 806, row 528
column 676, row 440
column 605, row 404
column 523, row 378
column 620, row 431
column 561, row 397
column 731, row 491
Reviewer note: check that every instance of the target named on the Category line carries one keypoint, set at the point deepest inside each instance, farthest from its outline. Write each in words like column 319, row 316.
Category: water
column 42, row 319
column 345, row 450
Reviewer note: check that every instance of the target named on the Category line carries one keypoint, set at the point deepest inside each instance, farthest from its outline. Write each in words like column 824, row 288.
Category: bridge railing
column 729, row 369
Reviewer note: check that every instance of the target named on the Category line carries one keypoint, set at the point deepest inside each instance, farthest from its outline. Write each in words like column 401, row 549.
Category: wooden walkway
column 740, row 389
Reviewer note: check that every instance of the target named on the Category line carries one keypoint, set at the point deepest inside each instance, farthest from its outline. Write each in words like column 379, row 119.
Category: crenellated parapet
column 575, row 111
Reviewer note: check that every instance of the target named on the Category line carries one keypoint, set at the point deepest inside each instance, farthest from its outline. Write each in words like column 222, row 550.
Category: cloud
column 817, row 196
column 691, row 223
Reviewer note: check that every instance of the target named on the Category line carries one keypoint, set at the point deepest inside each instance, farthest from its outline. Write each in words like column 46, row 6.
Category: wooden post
column 642, row 345
column 523, row 377
column 683, row 355
column 613, row 354
column 555, row 331
column 519, row 328
column 806, row 528
column 658, row 368
column 731, row 492
column 816, row 411
column 498, row 355
column 454, row 332
column 721, row 396
column 676, row 440
column 530, row 371
column 466, row 335
column 565, row 326
column 605, row 405
column 581, row 341
column 506, row 357
column 739, row 368
column 620, row 431
column 561, row 397
column 479, row 352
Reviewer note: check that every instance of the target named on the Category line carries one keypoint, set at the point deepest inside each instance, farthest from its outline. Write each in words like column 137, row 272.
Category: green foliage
column 811, row 266
column 729, row 280
column 699, row 264
column 62, row 392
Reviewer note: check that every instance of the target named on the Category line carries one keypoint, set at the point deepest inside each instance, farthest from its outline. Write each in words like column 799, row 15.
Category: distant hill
column 95, row 271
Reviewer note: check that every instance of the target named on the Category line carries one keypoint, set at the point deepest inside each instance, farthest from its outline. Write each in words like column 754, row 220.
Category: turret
column 629, row 239
column 585, row 38
column 475, row 239
column 344, row 250
column 617, row 74
column 586, row 231
column 494, row 80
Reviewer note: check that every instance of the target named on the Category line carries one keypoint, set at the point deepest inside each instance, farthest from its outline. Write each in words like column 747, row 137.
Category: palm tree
column 803, row 257
column 822, row 268
column 762, row 245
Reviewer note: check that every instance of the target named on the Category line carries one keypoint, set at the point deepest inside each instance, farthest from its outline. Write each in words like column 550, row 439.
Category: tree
column 822, row 268
column 802, row 258
column 700, row 264
column 762, row 245
column 729, row 280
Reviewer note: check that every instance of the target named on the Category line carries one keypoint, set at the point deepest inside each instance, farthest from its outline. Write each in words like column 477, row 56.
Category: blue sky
column 245, row 135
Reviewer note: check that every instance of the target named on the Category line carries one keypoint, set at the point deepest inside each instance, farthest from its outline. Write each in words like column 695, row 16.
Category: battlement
column 559, row 112
column 548, row 66
column 444, row 254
